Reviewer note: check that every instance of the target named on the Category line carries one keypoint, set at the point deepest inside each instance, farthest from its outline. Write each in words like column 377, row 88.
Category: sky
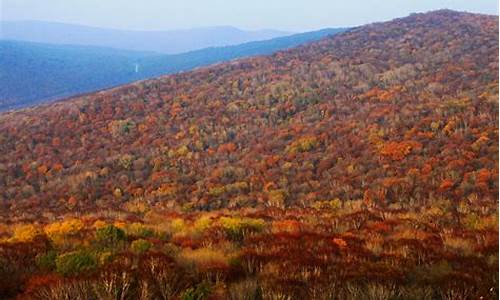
column 289, row 15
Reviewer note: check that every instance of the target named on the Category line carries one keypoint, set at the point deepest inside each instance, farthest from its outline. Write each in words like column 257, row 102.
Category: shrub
column 304, row 144
column 140, row 246
column 199, row 292
column 237, row 228
column 206, row 257
column 52, row 287
column 58, row 231
column 463, row 246
column 105, row 257
column 334, row 204
column 432, row 273
column 289, row 226
column 202, row 224
column 110, row 236
column 137, row 206
column 99, row 224
column 126, row 161
column 417, row 292
column 177, row 225
column 247, row 289
column 216, row 191
column 164, row 274
column 114, row 282
column 139, row 230
column 75, row 262
column 25, row 233
column 11, row 278
column 277, row 198
column 46, row 261
column 380, row 291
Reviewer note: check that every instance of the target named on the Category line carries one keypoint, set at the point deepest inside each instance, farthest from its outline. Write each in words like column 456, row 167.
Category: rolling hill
column 167, row 42
column 375, row 112
column 360, row 166
column 32, row 73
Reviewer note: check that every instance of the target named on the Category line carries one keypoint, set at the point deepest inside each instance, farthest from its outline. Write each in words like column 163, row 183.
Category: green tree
column 110, row 236
column 75, row 262
column 140, row 246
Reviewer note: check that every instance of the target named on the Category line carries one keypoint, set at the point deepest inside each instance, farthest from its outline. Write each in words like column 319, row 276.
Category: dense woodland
column 362, row 166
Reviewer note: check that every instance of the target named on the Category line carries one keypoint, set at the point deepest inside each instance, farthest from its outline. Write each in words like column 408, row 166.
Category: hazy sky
column 292, row 15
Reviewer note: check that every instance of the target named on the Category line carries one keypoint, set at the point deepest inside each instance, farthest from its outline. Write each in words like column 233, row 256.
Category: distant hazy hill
column 32, row 73
column 169, row 42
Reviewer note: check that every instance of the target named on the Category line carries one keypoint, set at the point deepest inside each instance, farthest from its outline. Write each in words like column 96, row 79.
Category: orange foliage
column 399, row 150
column 446, row 185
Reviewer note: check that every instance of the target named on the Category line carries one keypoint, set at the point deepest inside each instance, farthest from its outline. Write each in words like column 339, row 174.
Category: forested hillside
column 361, row 166
column 395, row 112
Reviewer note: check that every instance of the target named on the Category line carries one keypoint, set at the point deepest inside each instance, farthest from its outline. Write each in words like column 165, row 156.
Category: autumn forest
column 360, row 166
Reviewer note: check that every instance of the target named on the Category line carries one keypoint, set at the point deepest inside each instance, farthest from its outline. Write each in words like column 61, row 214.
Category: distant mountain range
column 32, row 73
column 168, row 42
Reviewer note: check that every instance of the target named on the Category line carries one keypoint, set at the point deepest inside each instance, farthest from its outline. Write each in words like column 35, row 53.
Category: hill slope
column 169, row 42
column 402, row 111
column 32, row 73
